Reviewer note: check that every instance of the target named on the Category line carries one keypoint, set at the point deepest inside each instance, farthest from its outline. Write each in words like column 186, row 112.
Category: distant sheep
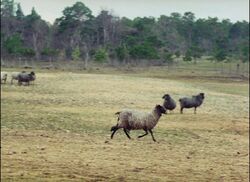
column 194, row 101
column 4, row 77
column 136, row 120
column 169, row 103
column 26, row 77
column 14, row 76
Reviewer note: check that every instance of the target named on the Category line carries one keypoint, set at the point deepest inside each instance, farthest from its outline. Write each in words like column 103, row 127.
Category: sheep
column 169, row 103
column 14, row 76
column 195, row 102
column 135, row 120
column 4, row 77
column 26, row 77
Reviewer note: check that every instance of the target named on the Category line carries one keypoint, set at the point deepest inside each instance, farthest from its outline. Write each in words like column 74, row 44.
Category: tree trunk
column 230, row 68
column 104, row 35
column 222, row 67
column 215, row 66
column 34, row 37
column 195, row 61
column 238, row 69
column 86, row 60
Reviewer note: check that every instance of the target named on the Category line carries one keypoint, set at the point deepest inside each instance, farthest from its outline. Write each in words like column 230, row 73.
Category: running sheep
column 137, row 120
column 194, row 101
column 169, row 103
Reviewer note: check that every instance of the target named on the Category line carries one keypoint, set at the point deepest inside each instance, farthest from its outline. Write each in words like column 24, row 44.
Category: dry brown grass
column 59, row 130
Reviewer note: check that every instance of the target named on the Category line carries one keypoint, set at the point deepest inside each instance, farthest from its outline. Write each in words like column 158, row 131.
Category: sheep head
column 160, row 110
column 202, row 95
column 166, row 96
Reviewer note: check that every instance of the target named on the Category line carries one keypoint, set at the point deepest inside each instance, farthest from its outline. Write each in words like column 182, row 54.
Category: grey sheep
column 137, row 120
column 169, row 103
column 4, row 77
column 14, row 76
column 26, row 77
column 194, row 101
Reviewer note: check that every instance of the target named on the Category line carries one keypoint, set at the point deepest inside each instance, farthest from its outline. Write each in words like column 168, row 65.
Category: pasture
column 58, row 129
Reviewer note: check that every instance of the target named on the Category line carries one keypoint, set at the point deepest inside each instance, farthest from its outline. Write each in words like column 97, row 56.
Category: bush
column 168, row 57
column 143, row 51
column 220, row 55
column 28, row 52
column 177, row 54
column 101, row 55
column 121, row 52
column 76, row 54
column 187, row 57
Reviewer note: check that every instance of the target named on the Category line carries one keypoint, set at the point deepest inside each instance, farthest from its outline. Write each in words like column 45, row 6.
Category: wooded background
column 78, row 35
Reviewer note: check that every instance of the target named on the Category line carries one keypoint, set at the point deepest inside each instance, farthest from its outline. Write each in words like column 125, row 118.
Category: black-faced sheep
column 169, row 103
column 26, row 77
column 194, row 101
column 4, row 77
column 137, row 120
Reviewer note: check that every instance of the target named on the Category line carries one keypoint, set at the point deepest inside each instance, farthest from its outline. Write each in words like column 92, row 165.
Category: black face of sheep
column 202, row 95
column 166, row 96
column 160, row 109
column 194, row 101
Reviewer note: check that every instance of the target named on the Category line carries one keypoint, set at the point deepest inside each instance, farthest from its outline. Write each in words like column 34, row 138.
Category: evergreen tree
column 7, row 8
column 14, row 45
column 19, row 12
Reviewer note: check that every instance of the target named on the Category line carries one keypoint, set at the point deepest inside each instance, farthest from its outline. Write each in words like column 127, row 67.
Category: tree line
column 79, row 35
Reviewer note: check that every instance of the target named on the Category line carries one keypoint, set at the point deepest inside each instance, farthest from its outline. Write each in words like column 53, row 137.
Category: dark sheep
column 26, row 77
column 194, row 101
column 169, row 103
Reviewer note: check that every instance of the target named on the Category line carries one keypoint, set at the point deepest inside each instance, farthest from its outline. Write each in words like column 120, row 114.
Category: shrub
column 101, row 55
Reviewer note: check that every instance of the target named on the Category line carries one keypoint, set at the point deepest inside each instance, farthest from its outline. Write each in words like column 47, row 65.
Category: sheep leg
column 182, row 110
column 125, row 131
column 143, row 134
column 151, row 132
column 114, row 129
column 195, row 110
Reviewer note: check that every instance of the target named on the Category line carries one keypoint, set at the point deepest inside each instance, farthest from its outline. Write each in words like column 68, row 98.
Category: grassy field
column 58, row 129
